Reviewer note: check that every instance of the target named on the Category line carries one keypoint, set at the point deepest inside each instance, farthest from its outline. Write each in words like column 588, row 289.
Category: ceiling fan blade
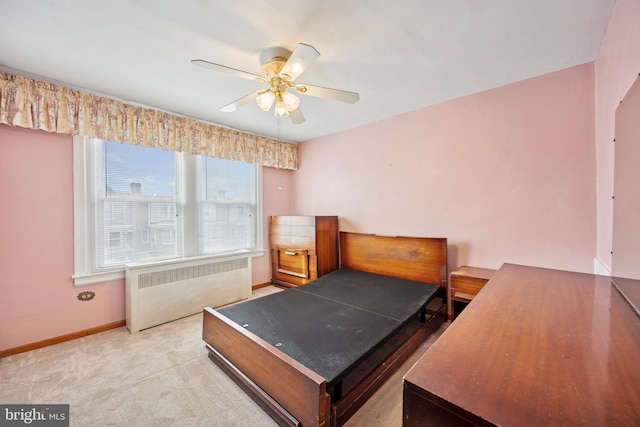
column 228, row 70
column 325, row 92
column 239, row 102
column 296, row 116
column 300, row 59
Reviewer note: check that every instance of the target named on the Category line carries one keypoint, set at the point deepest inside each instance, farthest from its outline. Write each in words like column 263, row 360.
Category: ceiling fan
column 280, row 74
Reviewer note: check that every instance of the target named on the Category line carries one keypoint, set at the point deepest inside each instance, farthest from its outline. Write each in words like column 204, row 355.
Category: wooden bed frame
column 294, row 395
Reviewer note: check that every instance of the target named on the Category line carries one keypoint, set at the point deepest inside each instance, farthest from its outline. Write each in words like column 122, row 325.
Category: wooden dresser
column 537, row 347
column 303, row 248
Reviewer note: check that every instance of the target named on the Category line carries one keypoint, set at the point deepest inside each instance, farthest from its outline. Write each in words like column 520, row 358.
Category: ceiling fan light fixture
column 265, row 100
column 280, row 70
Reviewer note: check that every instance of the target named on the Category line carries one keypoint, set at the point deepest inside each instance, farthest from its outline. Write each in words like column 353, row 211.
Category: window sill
column 93, row 278
column 119, row 274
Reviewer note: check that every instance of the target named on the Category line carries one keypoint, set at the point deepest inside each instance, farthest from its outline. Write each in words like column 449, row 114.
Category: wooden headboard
column 423, row 259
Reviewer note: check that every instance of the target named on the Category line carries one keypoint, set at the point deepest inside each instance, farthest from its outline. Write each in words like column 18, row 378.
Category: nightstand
column 465, row 283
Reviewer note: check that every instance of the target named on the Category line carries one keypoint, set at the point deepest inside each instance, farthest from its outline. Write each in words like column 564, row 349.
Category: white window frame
column 84, row 214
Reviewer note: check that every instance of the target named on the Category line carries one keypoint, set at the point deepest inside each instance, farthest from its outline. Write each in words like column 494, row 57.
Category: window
column 141, row 204
column 227, row 205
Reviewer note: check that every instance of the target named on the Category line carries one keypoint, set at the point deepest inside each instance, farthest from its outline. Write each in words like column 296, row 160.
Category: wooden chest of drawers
column 465, row 283
column 303, row 248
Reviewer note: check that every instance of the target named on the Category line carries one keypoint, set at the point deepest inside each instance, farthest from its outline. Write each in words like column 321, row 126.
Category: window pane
column 133, row 170
column 227, row 205
column 135, row 204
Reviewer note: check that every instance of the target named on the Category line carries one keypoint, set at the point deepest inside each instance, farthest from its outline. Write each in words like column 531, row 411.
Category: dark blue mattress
column 334, row 322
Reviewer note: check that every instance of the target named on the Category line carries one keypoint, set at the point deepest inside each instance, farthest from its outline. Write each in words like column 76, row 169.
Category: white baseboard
column 600, row 268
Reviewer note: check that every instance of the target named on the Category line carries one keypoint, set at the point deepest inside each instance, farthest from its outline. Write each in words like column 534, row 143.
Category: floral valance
column 45, row 106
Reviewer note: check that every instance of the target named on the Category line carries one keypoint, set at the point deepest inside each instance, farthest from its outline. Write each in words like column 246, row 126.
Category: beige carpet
column 158, row 377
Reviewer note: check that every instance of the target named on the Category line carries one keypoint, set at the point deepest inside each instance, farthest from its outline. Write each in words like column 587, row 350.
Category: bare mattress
column 336, row 321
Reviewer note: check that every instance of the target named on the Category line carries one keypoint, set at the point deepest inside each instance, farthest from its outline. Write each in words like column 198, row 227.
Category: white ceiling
column 399, row 55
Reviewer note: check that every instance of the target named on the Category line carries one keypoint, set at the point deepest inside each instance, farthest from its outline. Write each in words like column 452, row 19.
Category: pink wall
column 38, row 300
column 277, row 196
column 616, row 68
column 507, row 175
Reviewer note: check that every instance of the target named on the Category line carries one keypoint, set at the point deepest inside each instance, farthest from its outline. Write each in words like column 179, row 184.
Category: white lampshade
column 291, row 101
column 281, row 109
column 265, row 100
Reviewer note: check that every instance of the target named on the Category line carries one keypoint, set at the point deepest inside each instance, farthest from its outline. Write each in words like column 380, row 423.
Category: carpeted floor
column 158, row 377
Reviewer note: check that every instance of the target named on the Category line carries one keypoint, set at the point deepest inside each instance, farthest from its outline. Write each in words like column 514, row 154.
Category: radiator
column 170, row 290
